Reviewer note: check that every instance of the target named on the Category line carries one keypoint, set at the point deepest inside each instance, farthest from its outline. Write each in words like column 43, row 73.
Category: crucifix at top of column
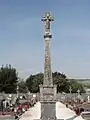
column 47, row 18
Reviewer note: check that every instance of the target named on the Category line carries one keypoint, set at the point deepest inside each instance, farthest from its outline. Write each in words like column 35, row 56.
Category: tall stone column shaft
column 47, row 63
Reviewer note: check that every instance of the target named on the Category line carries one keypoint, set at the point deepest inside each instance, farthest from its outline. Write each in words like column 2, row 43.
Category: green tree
column 61, row 81
column 34, row 81
column 75, row 86
column 22, row 86
column 8, row 79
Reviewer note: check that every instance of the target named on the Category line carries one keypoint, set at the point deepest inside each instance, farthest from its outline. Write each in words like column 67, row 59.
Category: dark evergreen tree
column 22, row 86
column 8, row 79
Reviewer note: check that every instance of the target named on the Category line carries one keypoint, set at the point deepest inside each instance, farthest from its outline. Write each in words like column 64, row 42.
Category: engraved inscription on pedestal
column 48, row 93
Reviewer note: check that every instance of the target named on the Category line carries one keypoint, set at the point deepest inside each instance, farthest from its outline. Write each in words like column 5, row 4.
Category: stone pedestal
column 48, row 93
column 48, row 102
column 48, row 110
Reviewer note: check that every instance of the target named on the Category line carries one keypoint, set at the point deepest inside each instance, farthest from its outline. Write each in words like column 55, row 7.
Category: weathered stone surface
column 47, row 64
column 48, row 90
column 48, row 93
column 48, row 111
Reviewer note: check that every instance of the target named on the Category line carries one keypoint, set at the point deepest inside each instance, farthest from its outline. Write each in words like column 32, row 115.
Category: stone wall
column 59, row 96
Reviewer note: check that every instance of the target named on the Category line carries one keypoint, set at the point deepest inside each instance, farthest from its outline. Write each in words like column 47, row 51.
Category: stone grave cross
column 47, row 18
column 70, row 89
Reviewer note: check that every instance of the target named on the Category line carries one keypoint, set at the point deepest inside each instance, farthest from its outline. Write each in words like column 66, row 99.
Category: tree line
column 9, row 81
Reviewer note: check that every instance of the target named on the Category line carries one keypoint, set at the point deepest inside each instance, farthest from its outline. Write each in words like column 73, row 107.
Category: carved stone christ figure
column 47, row 24
column 47, row 18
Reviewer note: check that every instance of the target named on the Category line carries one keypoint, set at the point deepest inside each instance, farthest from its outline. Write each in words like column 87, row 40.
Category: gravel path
column 6, row 118
column 61, row 112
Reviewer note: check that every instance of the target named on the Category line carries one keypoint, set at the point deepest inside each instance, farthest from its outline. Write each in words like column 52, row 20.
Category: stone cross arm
column 47, row 18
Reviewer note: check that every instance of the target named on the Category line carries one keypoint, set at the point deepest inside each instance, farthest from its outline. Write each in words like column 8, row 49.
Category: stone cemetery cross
column 78, row 91
column 17, row 91
column 48, row 91
column 47, row 18
column 70, row 89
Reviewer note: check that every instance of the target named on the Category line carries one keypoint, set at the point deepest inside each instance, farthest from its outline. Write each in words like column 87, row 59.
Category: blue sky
column 21, row 36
